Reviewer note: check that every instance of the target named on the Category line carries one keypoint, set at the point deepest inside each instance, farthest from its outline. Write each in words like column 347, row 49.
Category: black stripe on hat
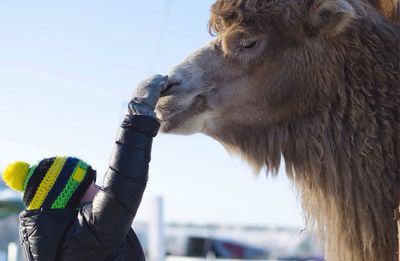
column 61, row 181
column 36, row 179
column 82, row 188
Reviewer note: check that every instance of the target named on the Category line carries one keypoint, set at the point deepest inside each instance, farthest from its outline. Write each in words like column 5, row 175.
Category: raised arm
column 116, row 204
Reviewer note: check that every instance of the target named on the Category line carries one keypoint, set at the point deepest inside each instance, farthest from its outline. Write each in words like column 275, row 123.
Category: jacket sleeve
column 116, row 204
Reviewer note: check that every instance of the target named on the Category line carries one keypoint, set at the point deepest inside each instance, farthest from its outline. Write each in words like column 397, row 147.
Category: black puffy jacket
column 100, row 230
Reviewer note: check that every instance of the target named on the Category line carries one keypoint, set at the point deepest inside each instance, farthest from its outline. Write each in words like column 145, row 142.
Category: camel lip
column 166, row 115
column 170, row 121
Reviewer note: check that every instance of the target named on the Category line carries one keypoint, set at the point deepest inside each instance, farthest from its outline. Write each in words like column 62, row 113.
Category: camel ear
column 331, row 16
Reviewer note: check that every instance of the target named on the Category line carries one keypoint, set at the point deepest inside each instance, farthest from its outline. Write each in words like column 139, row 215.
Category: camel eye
column 249, row 45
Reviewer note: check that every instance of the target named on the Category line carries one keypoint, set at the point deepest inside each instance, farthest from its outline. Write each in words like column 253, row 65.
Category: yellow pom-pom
column 15, row 174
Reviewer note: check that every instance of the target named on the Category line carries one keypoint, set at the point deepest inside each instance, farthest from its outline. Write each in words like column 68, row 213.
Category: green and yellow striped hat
column 53, row 183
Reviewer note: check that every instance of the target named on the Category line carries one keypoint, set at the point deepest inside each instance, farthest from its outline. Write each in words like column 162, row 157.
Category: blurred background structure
column 67, row 70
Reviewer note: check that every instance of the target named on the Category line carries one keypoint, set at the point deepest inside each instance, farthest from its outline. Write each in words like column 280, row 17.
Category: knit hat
column 53, row 183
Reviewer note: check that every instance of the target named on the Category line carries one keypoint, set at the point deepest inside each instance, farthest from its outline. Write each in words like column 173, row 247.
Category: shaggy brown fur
column 390, row 8
column 340, row 135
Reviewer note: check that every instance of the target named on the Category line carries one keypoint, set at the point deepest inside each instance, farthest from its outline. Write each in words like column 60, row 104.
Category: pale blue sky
column 67, row 69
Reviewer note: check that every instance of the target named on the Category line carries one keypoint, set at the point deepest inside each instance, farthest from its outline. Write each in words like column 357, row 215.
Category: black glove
column 146, row 96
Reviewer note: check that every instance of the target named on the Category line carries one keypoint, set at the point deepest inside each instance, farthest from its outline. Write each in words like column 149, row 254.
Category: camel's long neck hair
column 344, row 159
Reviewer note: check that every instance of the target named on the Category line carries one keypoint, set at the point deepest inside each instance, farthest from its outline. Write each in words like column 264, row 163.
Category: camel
column 315, row 83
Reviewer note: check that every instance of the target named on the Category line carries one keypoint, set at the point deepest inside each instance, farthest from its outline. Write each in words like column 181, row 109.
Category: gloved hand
column 146, row 95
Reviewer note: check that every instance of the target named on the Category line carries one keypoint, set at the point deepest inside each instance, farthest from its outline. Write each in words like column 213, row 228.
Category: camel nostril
column 171, row 84
column 174, row 82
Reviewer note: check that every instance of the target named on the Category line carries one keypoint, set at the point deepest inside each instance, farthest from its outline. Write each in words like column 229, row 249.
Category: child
column 67, row 216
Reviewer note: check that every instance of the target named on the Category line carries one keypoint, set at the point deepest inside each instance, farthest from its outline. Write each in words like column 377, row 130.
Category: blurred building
column 10, row 206
column 273, row 242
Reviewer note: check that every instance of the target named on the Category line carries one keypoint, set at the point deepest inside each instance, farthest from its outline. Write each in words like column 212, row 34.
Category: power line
column 160, row 35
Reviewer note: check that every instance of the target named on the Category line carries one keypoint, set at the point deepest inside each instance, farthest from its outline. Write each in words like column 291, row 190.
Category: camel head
column 266, row 64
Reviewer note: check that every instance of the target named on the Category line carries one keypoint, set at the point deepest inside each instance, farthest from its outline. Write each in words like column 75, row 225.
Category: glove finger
column 164, row 85
column 159, row 81
column 155, row 83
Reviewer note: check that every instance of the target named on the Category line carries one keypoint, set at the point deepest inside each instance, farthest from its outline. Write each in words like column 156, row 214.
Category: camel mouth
column 165, row 109
column 169, row 119
column 165, row 115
